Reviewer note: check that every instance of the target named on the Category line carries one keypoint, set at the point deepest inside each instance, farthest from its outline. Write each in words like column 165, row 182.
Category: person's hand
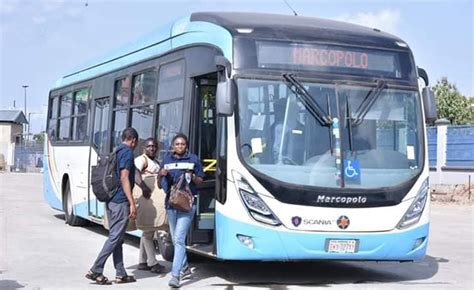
column 163, row 172
column 189, row 175
column 133, row 211
column 146, row 191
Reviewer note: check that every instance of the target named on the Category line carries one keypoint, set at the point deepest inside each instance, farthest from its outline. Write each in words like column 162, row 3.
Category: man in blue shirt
column 119, row 209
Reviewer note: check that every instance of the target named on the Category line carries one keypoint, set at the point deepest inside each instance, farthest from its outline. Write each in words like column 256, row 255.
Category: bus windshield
column 374, row 139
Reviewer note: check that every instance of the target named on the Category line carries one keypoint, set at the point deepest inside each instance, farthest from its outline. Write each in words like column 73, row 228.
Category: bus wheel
column 165, row 246
column 68, row 208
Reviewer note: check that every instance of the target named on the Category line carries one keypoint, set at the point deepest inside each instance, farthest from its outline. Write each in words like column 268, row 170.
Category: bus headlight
column 256, row 207
column 413, row 214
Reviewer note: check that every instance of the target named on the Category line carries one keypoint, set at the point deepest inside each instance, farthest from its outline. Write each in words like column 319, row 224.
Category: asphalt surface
column 38, row 251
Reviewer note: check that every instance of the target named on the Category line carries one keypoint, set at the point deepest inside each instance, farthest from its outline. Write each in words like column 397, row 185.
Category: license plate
column 342, row 246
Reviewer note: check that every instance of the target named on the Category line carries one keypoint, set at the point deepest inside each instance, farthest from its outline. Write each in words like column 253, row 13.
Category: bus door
column 205, row 129
column 100, row 145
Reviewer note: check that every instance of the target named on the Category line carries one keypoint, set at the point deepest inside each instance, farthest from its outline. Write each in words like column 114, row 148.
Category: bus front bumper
column 279, row 243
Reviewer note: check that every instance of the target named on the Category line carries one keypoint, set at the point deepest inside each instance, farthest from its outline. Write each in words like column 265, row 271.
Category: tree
column 39, row 138
column 470, row 102
column 451, row 104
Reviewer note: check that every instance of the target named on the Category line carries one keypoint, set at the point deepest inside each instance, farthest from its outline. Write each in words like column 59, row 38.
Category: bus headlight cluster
column 413, row 214
column 256, row 207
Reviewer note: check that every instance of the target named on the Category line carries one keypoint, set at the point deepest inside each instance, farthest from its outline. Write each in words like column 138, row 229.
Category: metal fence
column 28, row 157
column 451, row 154
column 460, row 146
column 432, row 133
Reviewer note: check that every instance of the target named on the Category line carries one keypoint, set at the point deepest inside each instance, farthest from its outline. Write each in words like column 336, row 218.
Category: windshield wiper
column 349, row 123
column 368, row 101
column 305, row 97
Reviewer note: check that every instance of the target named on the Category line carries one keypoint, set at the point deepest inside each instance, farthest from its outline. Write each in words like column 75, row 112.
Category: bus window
column 53, row 118
column 121, row 103
column 122, row 92
column 65, row 117
column 143, row 93
column 169, row 124
column 143, row 88
column 171, row 81
column 120, row 123
column 101, row 124
column 79, row 118
column 142, row 121
column 65, row 105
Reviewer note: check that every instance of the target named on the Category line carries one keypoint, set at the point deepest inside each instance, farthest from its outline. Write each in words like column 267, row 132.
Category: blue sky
column 43, row 39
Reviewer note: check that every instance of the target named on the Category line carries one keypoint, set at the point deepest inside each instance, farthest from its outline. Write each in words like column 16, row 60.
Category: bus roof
column 298, row 27
column 218, row 28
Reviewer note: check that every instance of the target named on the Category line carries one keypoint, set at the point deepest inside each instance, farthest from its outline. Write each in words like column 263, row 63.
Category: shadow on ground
column 278, row 275
column 10, row 285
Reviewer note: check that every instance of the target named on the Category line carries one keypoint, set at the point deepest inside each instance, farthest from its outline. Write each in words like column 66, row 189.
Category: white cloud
column 386, row 20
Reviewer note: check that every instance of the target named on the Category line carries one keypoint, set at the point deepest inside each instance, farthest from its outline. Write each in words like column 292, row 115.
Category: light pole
column 29, row 122
column 26, row 130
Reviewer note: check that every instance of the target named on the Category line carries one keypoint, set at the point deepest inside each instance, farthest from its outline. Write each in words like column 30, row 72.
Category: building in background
column 11, row 135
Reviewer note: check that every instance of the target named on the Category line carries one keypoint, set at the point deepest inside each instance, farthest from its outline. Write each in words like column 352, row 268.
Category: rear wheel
column 69, row 216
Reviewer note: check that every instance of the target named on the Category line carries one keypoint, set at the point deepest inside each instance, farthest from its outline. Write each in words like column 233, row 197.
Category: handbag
column 181, row 197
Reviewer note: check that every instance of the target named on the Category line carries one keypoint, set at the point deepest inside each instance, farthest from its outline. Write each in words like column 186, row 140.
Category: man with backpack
column 119, row 209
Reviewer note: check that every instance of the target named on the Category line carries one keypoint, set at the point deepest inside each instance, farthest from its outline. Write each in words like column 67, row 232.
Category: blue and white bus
column 311, row 133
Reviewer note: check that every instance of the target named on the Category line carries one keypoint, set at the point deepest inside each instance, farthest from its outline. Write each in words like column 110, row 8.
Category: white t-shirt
column 146, row 165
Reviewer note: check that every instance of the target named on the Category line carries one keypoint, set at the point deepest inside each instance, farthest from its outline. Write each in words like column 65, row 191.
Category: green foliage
column 39, row 138
column 452, row 105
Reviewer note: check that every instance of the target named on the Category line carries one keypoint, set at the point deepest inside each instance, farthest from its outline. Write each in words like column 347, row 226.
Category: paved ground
column 38, row 251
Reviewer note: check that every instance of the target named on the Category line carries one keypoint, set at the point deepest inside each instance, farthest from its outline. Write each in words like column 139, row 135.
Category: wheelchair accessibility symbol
column 352, row 170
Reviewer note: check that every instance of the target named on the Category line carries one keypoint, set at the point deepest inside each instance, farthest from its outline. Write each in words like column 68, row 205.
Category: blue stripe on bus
column 48, row 191
column 274, row 244
column 153, row 44
column 82, row 210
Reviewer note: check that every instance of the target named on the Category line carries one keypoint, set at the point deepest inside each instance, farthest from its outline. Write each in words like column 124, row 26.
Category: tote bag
column 181, row 197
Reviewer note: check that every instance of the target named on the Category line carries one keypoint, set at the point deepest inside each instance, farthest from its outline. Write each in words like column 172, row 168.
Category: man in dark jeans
column 119, row 209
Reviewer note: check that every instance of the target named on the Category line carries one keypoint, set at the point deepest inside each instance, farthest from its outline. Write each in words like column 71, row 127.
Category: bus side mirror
column 422, row 74
column 429, row 103
column 225, row 93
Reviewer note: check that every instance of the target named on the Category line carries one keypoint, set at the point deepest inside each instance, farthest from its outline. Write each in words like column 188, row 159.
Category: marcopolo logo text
column 341, row 199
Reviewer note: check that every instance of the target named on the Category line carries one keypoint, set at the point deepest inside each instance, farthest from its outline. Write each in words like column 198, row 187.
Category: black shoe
column 157, row 268
column 124, row 279
column 143, row 266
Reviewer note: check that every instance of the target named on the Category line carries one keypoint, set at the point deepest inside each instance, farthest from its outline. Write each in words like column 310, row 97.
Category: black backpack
column 104, row 179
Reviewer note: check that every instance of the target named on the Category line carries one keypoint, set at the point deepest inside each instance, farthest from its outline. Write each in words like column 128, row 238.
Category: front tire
column 69, row 216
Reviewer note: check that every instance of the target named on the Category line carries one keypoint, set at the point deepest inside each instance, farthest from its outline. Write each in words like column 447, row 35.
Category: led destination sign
column 328, row 58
